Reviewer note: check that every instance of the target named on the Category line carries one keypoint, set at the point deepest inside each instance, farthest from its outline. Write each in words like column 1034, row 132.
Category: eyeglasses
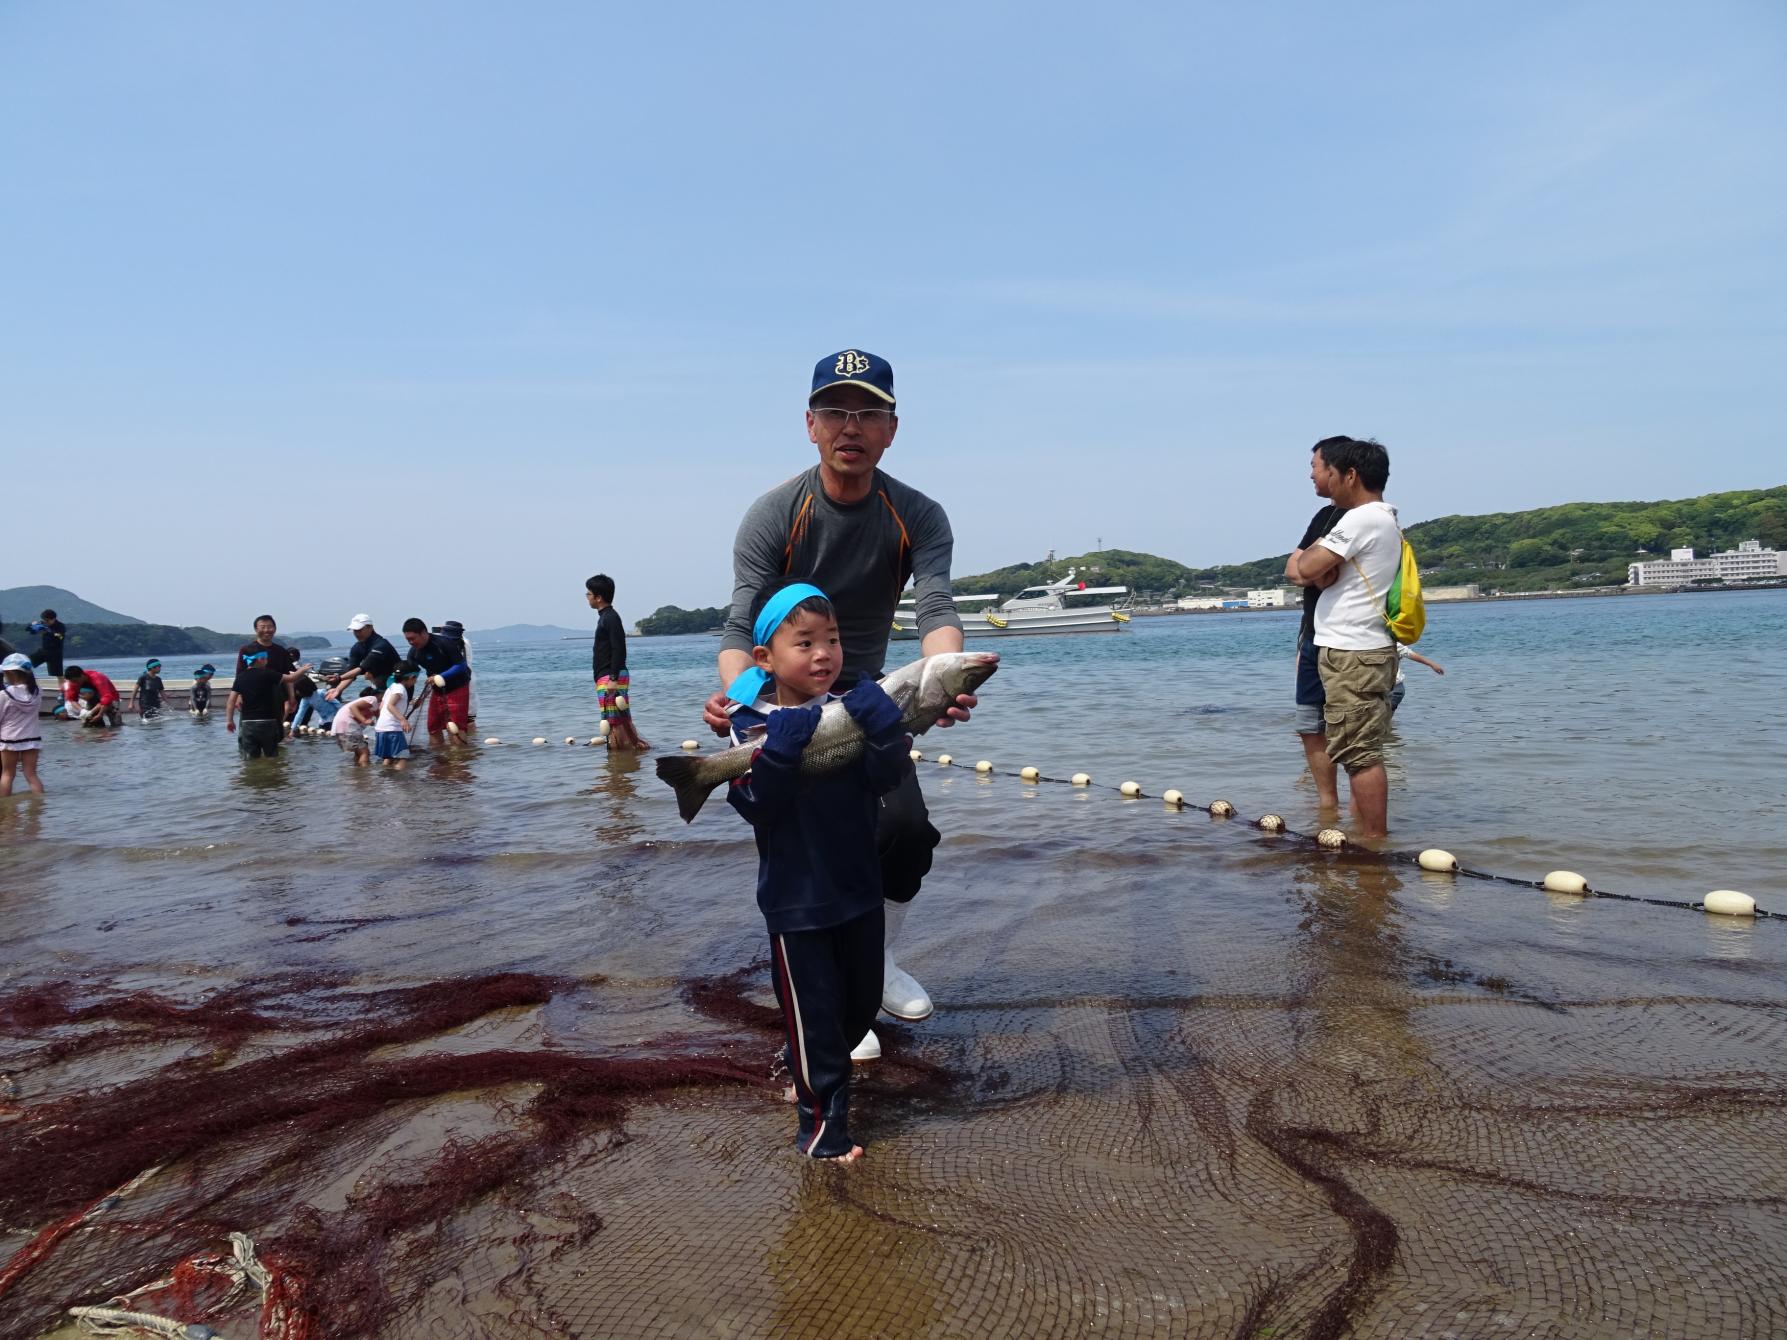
column 832, row 417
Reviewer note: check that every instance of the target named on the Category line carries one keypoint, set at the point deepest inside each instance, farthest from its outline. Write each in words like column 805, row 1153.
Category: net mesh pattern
column 1348, row 1113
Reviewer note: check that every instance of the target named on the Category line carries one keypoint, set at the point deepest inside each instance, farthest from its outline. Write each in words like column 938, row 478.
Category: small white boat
column 1035, row 609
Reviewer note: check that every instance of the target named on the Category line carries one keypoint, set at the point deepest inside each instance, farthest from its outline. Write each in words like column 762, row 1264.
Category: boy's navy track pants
column 828, row 984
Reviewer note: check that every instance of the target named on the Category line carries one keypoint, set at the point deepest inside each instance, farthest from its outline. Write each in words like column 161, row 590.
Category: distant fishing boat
column 1035, row 609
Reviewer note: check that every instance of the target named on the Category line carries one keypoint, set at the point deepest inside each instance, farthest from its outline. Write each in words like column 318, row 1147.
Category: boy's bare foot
column 788, row 1094
column 854, row 1154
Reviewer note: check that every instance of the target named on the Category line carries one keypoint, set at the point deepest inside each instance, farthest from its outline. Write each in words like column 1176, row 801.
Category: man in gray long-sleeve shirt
column 860, row 536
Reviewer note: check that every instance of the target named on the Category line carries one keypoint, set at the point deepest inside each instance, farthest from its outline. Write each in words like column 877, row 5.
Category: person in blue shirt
column 818, row 871
column 312, row 702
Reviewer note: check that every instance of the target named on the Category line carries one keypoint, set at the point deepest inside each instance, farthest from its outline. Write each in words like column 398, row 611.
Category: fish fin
column 679, row 771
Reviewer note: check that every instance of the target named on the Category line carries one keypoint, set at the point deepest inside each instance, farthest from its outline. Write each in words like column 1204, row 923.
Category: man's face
column 361, row 634
column 1322, row 475
column 853, row 448
column 263, row 631
column 416, row 640
column 590, row 596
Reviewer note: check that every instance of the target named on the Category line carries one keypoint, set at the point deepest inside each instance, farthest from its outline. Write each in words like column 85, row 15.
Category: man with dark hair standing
column 1309, row 696
column 608, row 661
column 261, row 691
column 442, row 658
column 1354, row 564
column 860, row 536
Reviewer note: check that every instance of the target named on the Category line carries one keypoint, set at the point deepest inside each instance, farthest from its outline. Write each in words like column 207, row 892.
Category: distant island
column 95, row 632
column 1562, row 548
column 669, row 619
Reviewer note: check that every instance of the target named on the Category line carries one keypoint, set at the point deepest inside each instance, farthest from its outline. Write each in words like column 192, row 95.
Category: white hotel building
column 1748, row 562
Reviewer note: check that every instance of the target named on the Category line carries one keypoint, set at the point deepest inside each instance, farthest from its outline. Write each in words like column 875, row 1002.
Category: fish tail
column 683, row 774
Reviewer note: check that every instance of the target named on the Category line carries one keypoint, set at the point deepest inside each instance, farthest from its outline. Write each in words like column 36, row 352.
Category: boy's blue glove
column 871, row 708
column 787, row 732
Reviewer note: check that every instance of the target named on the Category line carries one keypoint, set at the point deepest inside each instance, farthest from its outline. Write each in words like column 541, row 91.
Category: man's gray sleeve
column 933, row 547
column 757, row 554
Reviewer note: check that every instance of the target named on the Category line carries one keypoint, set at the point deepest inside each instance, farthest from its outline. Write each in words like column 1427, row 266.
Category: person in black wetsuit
column 373, row 656
column 608, row 655
column 54, row 635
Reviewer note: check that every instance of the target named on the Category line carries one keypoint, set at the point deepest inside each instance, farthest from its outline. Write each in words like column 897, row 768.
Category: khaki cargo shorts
column 1357, row 712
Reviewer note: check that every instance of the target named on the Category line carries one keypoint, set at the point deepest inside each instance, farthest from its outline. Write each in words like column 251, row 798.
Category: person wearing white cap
column 20, row 736
column 372, row 656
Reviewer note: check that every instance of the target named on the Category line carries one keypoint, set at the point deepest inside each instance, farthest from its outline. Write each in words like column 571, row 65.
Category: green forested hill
column 1548, row 548
column 669, row 619
column 94, row 640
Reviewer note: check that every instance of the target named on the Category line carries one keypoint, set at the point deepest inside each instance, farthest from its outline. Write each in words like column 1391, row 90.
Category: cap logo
column 851, row 364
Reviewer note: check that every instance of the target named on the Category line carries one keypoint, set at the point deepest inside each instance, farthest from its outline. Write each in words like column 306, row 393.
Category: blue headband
column 748, row 687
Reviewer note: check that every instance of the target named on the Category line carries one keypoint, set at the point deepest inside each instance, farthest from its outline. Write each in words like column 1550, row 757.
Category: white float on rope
column 1131, row 789
column 1729, row 903
column 1174, row 798
column 539, row 739
column 1030, row 774
column 1272, row 823
column 1331, row 838
column 1221, row 809
column 491, row 739
column 1434, row 858
column 984, row 765
column 1082, row 779
column 944, row 760
column 1565, row 881
column 691, row 745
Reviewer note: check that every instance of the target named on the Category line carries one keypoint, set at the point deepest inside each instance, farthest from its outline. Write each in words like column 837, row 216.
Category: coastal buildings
column 1272, row 598
column 1748, row 562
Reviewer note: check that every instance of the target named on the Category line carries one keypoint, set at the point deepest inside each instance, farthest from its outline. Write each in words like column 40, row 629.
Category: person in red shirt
column 106, row 711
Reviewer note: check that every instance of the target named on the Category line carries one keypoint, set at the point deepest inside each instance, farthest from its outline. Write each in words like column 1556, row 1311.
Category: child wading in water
column 392, row 740
column 818, row 874
column 353, row 721
column 614, row 686
column 145, row 698
column 20, row 738
column 201, row 689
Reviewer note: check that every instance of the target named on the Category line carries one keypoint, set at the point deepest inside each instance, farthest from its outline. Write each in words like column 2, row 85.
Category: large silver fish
column 924, row 690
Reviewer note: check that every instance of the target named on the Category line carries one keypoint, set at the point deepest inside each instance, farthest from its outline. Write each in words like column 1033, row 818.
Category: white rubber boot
column 901, row 995
column 869, row 1049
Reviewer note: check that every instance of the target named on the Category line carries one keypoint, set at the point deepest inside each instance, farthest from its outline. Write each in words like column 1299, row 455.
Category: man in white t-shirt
column 1358, row 559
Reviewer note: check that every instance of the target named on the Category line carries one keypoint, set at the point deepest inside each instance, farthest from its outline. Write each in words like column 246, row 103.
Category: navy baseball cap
column 852, row 367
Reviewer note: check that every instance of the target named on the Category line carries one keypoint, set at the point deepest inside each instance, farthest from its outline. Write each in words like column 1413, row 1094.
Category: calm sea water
column 1638, row 741
column 1095, row 961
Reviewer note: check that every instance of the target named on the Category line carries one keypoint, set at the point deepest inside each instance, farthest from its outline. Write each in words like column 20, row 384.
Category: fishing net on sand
column 1347, row 1109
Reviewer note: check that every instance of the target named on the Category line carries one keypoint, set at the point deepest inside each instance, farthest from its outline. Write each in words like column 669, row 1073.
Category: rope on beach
column 1327, row 839
column 242, row 1269
column 1332, row 839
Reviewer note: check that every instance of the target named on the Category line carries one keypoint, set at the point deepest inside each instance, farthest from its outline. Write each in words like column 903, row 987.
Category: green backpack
column 1405, row 612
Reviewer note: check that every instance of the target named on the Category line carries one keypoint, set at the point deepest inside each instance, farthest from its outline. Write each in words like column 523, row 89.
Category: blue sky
column 437, row 308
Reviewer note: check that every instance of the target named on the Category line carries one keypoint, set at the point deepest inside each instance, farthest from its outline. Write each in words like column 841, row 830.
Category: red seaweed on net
column 65, row 1155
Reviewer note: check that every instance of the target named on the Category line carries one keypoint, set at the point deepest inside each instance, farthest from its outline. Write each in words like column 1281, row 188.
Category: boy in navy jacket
column 818, row 875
